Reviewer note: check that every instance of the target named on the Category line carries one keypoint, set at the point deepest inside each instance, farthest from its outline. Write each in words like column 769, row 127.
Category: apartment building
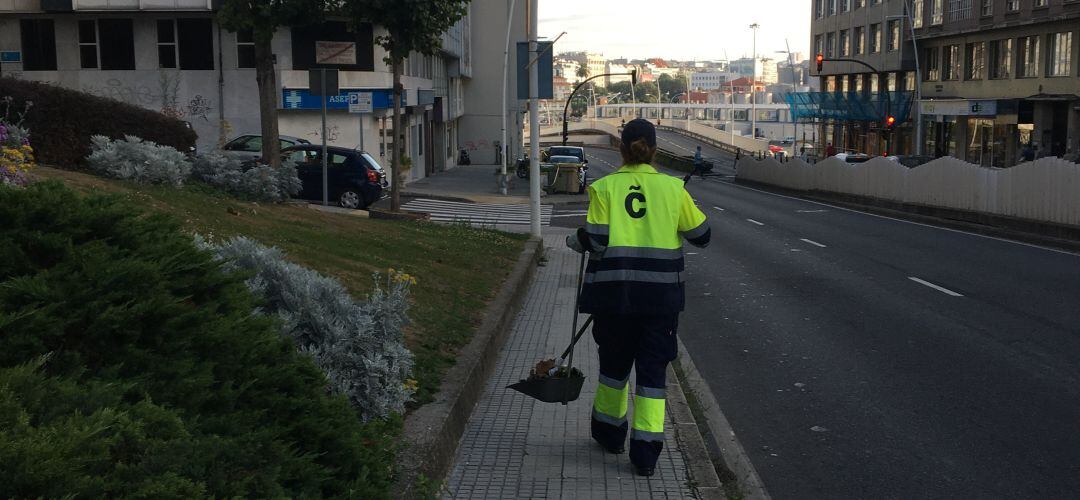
column 711, row 80
column 856, row 97
column 593, row 62
column 1000, row 78
column 173, row 56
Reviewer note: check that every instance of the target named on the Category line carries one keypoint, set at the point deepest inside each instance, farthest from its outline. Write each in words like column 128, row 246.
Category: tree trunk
column 268, row 99
column 398, row 146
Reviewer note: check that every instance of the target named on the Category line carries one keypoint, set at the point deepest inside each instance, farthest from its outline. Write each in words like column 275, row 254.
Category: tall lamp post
column 909, row 16
column 753, row 85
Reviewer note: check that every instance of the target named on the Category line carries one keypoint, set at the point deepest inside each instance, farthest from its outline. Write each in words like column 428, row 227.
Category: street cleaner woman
column 633, row 288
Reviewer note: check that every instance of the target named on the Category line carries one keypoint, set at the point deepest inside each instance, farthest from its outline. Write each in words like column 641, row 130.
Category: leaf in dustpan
column 542, row 368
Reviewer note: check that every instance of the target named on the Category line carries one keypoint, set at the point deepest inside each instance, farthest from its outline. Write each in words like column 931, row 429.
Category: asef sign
column 341, row 53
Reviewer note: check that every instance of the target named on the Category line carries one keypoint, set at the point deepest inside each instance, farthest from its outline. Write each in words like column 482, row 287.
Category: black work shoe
column 613, row 450
column 644, row 471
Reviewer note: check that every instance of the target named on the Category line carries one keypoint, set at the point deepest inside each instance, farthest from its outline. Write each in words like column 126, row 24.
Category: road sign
column 361, row 102
column 10, row 56
column 315, row 82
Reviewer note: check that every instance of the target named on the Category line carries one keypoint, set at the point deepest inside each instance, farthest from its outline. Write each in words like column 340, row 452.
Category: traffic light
column 820, row 61
column 890, row 122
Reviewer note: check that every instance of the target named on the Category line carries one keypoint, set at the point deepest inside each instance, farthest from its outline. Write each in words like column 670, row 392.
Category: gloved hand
column 573, row 243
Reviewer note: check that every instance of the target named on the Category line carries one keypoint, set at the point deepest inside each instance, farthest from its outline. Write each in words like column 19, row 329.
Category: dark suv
column 354, row 179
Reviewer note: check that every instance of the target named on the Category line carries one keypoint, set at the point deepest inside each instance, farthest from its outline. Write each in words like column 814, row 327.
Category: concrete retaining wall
column 1046, row 190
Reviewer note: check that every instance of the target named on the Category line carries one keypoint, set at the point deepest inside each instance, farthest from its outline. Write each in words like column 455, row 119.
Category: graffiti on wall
column 332, row 133
column 479, row 145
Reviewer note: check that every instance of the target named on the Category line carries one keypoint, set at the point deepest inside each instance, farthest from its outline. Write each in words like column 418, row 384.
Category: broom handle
column 574, row 335
column 577, row 337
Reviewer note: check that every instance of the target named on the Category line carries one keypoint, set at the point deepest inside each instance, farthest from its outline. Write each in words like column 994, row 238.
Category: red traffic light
column 890, row 121
column 820, row 60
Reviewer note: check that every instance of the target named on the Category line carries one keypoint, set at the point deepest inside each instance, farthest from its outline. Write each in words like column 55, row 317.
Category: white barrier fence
column 1045, row 190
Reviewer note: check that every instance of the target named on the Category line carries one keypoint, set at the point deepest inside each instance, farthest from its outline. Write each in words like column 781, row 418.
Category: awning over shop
column 850, row 106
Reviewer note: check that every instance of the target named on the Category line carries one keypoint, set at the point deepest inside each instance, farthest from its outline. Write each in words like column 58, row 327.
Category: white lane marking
column 949, row 229
column 755, row 222
column 718, row 208
column 813, row 243
column 944, row 290
column 810, row 211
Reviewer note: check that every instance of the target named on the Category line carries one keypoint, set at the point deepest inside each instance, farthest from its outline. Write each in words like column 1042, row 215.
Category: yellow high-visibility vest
column 636, row 222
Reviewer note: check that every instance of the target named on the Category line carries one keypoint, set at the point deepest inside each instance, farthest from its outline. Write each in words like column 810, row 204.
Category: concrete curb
column 705, row 480
column 432, row 432
column 719, row 438
column 1027, row 231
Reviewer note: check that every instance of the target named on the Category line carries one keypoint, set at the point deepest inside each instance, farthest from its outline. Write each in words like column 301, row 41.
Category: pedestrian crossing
column 478, row 213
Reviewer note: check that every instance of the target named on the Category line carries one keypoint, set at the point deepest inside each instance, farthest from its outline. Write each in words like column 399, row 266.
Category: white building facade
column 173, row 56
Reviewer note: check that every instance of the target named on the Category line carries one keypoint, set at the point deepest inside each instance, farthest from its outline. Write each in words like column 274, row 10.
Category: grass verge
column 458, row 269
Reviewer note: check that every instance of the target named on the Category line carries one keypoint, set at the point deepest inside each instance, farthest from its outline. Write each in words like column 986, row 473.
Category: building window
column 937, row 12
column 960, row 10
column 1012, row 5
column 845, row 43
column 38, row 38
column 166, row 43
column 859, row 44
column 933, row 66
column 1040, row 3
column 859, row 4
column 88, row 46
column 951, row 62
column 245, row 50
column 987, row 7
column 819, row 7
column 917, row 13
column 1001, row 59
column 830, row 44
column 975, row 60
column 1060, row 54
column 108, row 44
column 845, row 5
column 894, row 36
column 195, row 38
column 875, row 38
column 890, row 82
column 819, row 44
column 832, row 7
column 1027, row 60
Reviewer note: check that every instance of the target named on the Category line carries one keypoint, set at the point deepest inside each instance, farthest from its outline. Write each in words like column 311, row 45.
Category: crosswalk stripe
column 478, row 213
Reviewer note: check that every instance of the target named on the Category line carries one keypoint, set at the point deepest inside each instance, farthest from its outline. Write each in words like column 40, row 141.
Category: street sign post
column 360, row 103
column 323, row 82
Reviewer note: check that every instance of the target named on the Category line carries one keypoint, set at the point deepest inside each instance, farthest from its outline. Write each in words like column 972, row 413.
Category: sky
column 677, row 29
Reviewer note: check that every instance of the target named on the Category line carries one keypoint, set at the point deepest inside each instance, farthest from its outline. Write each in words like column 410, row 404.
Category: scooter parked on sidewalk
column 463, row 158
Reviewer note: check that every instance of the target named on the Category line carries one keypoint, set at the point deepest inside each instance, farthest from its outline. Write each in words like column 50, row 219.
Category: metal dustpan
column 558, row 382
column 552, row 389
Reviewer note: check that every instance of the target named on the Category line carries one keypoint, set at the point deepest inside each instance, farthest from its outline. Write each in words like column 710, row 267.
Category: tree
column 262, row 18
column 582, row 71
column 411, row 26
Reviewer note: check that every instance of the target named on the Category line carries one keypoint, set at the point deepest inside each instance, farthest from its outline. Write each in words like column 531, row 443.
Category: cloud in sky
column 677, row 29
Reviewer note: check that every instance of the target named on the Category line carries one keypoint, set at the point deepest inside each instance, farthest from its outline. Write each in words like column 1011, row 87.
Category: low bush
column 16, row 154
column 259, row 183
column 64, row 120
column 135, row 159
column 159, row 380
column 360, row 346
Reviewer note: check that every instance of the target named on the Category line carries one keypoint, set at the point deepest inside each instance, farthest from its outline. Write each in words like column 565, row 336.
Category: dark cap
column 639, row 129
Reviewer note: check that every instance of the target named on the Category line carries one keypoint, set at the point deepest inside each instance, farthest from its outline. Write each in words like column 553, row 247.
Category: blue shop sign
column 302, row 99
column 10, row 56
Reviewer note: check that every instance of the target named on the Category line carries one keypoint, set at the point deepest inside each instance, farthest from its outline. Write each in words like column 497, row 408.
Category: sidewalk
column 476, row 183
column 516, row 447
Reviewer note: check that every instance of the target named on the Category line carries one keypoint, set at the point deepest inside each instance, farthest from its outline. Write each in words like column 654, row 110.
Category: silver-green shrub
column 137, row 160
column 260, row 183
column 359, row 345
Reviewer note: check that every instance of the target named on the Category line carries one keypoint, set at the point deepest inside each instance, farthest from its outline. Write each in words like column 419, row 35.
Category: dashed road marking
column 813, row 243
column 718, row 208
column 756, row 222
column 941, row 289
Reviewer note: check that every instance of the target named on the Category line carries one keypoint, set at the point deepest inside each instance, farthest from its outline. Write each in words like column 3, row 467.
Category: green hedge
column 132, row 365
column 62, row 121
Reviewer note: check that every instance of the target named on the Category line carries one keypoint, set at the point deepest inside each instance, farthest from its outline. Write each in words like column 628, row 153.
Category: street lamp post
column 506, row 85
column 909, row 14
column 753, row 85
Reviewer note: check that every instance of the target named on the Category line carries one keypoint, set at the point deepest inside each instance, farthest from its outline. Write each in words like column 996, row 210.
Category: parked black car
column 354, row 179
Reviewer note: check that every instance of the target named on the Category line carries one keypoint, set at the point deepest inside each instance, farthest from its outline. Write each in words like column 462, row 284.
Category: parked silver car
column 248, row 147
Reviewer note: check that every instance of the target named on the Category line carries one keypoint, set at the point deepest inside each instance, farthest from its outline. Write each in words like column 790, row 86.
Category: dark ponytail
column 639, row 152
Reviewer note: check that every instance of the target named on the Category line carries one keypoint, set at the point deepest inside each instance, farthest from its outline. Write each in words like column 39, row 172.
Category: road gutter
column 727, row 456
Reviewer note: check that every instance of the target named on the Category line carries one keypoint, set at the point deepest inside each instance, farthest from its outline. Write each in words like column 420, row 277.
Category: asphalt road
column 862, row 357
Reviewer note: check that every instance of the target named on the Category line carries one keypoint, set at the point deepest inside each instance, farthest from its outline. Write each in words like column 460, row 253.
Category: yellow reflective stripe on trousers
column 649, row 415
column 611, row 401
